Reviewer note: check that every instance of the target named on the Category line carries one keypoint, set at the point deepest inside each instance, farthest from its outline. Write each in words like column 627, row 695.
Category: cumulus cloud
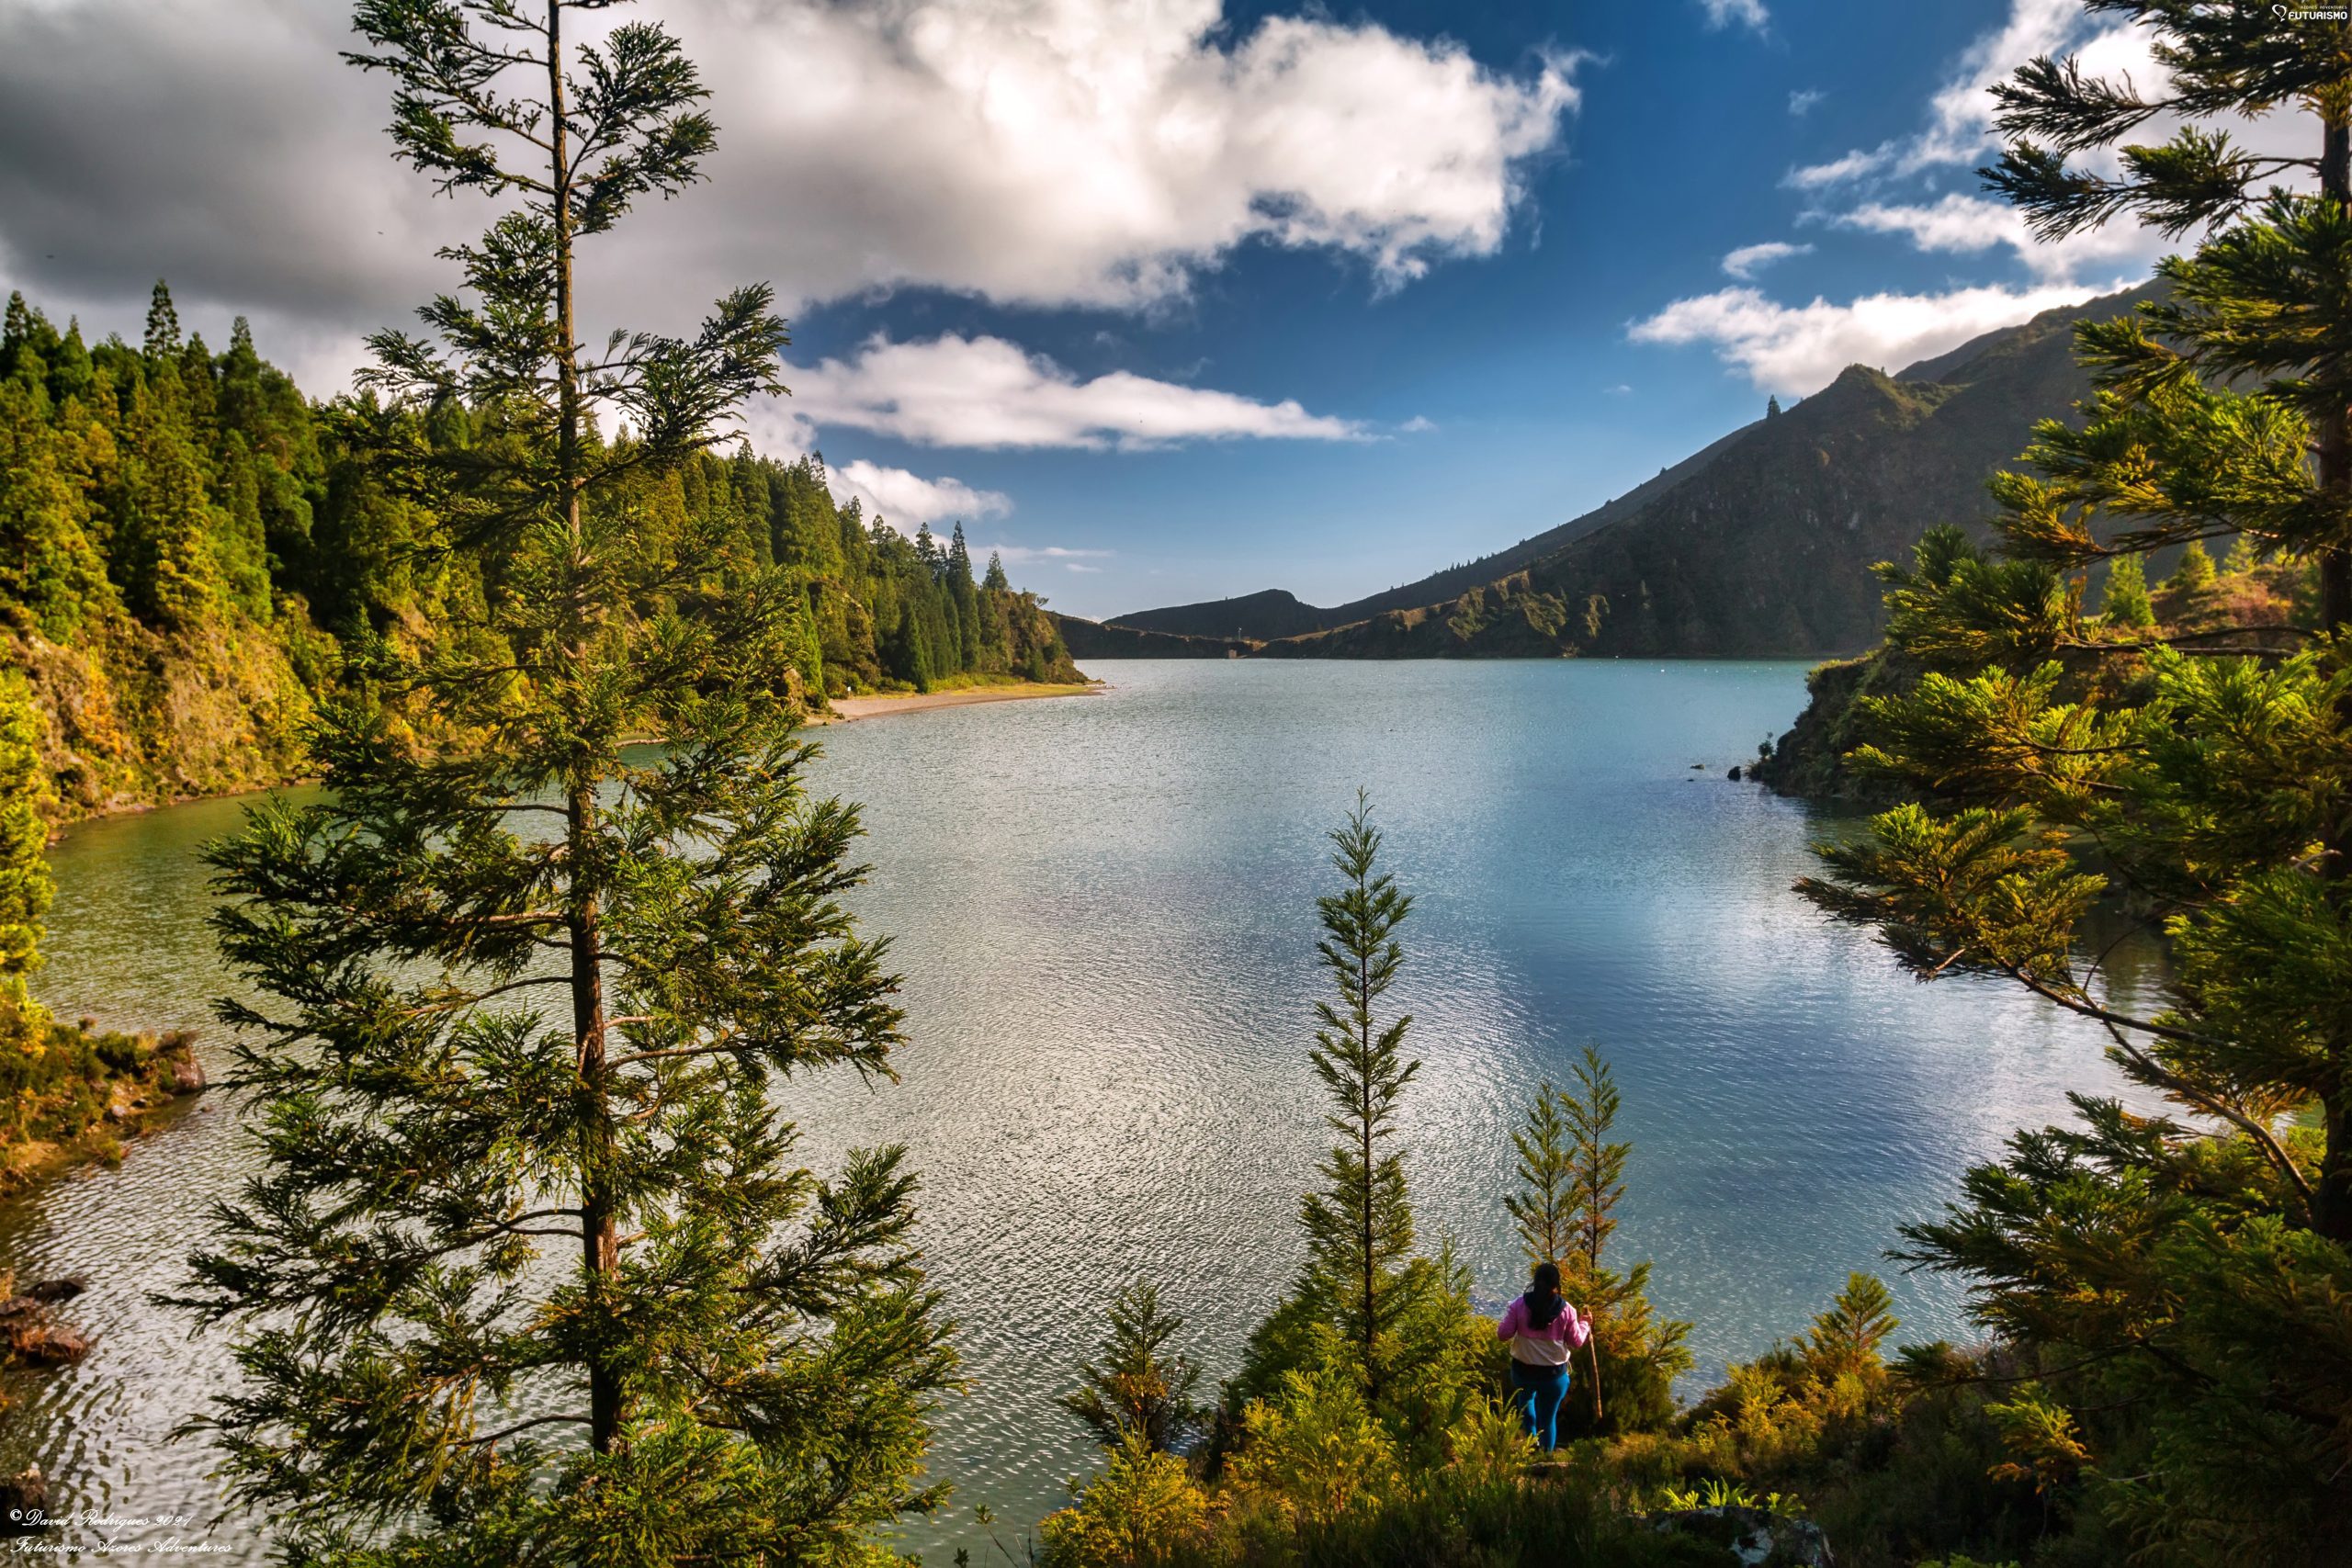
column 1957, row 128
column 1801, row 348
column 1959, row 121
column 1041, row 152
column 1744, row 13
column 909, row 499
column 1802, row 101
column 1744, row 262
column 1963, row 224
column 987, row 392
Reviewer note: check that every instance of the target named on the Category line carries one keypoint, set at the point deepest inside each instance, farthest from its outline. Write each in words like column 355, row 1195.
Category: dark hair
column 1543, row 1300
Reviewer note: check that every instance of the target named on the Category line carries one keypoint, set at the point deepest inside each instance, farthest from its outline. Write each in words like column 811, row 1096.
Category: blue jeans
column 1537, row 1392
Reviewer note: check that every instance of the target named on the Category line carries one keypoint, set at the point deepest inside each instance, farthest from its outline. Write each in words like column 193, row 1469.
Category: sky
column 1164, row 299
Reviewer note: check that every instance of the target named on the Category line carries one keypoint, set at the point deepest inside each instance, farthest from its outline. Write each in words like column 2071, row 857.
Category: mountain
column 1757, row 546
column 1097, row 639
column 1275, row 613
column 1256, row 617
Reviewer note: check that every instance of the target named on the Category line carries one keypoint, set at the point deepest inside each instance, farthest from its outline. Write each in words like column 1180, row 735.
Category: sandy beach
column 851, row 709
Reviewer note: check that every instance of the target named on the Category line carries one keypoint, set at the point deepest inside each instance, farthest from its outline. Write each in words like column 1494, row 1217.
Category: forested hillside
column 189, row 548
column 1760, row 545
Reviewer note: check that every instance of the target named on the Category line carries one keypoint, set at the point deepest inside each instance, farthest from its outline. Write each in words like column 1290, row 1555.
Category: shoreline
column 852, row 710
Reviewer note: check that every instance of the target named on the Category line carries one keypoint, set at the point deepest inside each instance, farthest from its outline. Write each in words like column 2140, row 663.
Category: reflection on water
column 1104, row 907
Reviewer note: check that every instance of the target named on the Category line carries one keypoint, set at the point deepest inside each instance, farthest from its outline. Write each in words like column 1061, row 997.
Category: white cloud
column 1801, row 100
column 1963, row 224
column 1047, row 553
column 1801, row 348
column 987, row 392
column 1837, row 170
column 1744, row 262
column 1095, row 152
column 1960, row 115
column 1416, row 425
column 1746, row 13
column 909, row 499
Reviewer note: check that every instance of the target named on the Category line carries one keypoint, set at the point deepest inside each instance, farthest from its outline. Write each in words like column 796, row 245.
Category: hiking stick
column 1593, row 1345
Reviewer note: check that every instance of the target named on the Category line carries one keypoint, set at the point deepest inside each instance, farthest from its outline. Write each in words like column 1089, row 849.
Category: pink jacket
column 1547, row 1345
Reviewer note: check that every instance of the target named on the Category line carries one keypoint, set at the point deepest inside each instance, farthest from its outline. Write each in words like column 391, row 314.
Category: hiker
column 1544, row 1331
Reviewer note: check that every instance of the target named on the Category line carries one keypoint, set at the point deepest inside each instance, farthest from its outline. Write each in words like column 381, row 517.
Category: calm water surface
column 1103, row 908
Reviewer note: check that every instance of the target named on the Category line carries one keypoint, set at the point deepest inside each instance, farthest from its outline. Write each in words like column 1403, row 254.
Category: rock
column 49, row 1293
column 22, row 1498
column 46, row 1344
column 187, row 1073
column 1735, row 772
column 1751, row 1537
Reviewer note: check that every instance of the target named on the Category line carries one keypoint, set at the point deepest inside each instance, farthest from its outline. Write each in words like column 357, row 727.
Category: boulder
column 187, row 1073
column 22, row 1498
column 1750, row 1536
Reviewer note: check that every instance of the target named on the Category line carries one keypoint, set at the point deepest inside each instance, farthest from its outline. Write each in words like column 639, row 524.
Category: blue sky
column 1168, row 300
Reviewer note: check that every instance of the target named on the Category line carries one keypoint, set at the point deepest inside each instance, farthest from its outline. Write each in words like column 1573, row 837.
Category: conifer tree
column 2125, row 603
column 1544, row 1209
column 1596, row 1166
column 1846, row 1338
column 529, row 1272
column 26, row 885
column 1360, row 1226
column 1644, row 1352
column 2195, row 573
column 2191, row 1265
column 163, row 337
column 1138, row 1388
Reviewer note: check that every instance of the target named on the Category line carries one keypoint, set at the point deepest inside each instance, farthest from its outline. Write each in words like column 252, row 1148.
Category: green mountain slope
column 189, row 548
column 1275, row 613
column 1757, row 546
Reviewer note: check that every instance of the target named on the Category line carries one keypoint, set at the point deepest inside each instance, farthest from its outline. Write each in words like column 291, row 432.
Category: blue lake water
column 1104, row 909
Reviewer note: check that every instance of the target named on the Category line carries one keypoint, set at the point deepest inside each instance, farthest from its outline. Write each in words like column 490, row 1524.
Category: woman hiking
column 1544, row 1331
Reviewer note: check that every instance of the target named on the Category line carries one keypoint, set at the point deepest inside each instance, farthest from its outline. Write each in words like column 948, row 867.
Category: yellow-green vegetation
column 65, row 1093
column 194, row 556
column 2265, row 604
column 71, row 1092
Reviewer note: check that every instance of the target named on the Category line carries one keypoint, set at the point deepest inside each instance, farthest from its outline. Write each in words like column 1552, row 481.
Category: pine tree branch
column 2272, row 1150
column 506, row 1432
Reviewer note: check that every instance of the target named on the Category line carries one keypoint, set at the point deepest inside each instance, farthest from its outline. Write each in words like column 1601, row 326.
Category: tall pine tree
column 529, row 1271
column 1643, row 1353
column 1360, row 1226
column 2187, row 1267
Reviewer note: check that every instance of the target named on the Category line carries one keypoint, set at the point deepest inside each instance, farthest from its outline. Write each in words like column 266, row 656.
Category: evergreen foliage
column 529, row 1271
column 1360, row 1224
column 1367, row 1310
column 1542, row 1210
column 2126, row 603
column 2195, row 573
column 26, row 884
column 193, row 557
column 1640, row 1353
column 1138, row 1388
column 2187, row 1267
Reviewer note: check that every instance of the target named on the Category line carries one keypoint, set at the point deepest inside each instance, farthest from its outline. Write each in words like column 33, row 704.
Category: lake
column 1104, row 907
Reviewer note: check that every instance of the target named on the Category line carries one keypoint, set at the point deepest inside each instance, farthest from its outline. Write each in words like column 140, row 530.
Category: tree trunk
column 599, row 1250
column 2332, row 1196
column 1363, row 1126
